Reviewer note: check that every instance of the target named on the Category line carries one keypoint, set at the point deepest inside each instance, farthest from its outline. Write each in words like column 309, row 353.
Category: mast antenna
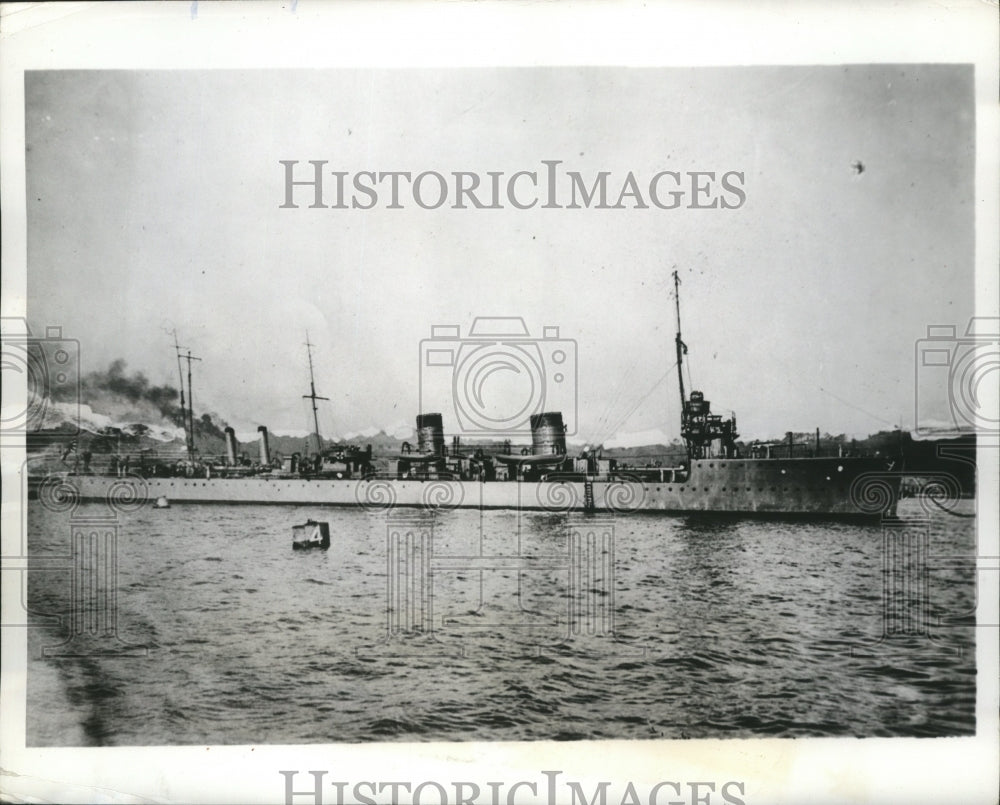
column 313, row 396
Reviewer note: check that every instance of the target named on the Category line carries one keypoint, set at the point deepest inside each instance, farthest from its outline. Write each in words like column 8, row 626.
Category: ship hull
column 841, row 487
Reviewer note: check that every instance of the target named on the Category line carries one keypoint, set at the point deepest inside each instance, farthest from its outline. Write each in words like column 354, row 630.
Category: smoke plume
column 130, row 397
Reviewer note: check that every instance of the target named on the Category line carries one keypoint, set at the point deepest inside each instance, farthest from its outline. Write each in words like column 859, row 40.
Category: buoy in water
column 161, row 503
column 311, row 534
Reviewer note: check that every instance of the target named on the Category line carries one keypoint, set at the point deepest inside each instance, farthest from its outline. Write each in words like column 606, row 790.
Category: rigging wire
column 611, row 431
column 616, row 398
column 858, row 408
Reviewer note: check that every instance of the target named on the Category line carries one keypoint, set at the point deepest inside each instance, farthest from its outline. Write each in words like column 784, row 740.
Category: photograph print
column 395, row 425
column 589, row 394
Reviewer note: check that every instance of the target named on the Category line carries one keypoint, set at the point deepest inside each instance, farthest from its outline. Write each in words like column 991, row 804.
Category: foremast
column 706, row 435
column 679, row 343
column 187, row 412
column 312, row 396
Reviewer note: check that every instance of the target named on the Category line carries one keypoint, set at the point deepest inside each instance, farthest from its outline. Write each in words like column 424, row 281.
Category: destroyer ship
column 717, row 476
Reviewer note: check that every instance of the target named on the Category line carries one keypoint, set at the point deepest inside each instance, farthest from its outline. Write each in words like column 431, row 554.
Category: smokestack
column 265, row 447
column 548, row 434
column 230, row 447
column 430, row 434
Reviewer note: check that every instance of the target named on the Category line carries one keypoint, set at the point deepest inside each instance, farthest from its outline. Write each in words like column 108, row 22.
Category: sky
column 154, row 203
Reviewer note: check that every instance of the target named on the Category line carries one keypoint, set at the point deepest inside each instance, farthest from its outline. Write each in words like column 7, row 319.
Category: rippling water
column 676, row 627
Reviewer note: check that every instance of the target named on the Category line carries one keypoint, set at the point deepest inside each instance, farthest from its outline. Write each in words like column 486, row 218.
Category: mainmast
column 187, row 412
column 188, row 358
column 313, row 396
column 680, row 345
column 180, row 379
